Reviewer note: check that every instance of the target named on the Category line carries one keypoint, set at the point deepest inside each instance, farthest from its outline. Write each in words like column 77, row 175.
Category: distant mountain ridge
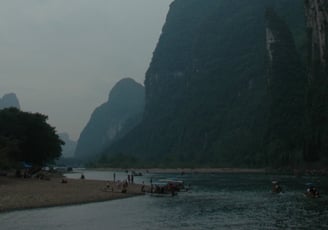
column 113, row 119
column 68, row 148
column 213, row 88
column 9, row 100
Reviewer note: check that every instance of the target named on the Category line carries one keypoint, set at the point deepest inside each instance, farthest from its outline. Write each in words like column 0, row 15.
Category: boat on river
column 176, row 184
column 311, row 191
column 162, row 189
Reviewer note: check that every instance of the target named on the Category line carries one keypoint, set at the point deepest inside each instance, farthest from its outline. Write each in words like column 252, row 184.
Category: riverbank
column 310, row 171
column 19, row 193
column 206, row 170
column 184, row 170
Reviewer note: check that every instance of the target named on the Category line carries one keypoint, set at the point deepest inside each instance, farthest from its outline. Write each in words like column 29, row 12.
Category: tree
column 28, row 137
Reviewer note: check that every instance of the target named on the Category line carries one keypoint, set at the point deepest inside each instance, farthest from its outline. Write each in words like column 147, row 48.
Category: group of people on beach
column 130, row 179
column 120, row 185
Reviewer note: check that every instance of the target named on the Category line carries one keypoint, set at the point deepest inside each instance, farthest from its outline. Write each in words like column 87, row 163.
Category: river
column 217, row 201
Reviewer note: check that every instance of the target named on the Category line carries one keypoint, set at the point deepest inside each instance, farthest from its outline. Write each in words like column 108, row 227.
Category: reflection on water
column 217, row 201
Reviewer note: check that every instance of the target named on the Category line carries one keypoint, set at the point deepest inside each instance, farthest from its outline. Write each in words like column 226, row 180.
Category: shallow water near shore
column 217, row 201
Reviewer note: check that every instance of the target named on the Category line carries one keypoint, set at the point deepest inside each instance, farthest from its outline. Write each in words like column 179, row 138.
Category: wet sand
column 19, row 193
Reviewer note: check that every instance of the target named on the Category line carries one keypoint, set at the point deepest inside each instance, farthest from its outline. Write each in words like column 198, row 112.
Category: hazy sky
column 62, row 57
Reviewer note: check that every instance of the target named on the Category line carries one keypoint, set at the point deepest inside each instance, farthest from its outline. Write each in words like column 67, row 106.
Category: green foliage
column 27, row 137
column 8, row 147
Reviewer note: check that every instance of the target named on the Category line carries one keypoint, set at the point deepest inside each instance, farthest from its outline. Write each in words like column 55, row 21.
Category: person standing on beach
column 132, row 179
column 143, row 187
column 114, row 177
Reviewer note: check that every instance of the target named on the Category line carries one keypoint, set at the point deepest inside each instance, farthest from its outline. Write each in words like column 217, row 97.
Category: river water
column 217, row 201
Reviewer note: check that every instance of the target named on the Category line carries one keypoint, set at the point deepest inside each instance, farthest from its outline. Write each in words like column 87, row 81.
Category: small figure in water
column 82, row 176
column 276, row 188
column 312, row 191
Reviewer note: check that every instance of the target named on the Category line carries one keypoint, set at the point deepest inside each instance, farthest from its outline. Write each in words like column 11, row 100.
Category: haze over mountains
column 68, row 148
column 228, row 85
column 9, row 100
column 231, row 83
column 113, row 119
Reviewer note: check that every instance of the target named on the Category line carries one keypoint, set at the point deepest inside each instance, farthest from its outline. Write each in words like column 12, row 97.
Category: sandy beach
column 19, row 193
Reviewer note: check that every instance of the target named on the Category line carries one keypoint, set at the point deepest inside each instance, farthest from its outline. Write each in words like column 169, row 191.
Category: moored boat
column 176, row 184
column 162, row 189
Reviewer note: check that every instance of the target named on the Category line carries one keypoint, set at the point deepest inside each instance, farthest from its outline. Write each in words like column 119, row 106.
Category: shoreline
column 32, row 193
column 294, row 171
column 21, row 194
column 183, row 170
column 206, row 170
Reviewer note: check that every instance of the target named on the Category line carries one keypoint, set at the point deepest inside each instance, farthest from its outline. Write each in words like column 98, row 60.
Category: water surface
column 217, row 201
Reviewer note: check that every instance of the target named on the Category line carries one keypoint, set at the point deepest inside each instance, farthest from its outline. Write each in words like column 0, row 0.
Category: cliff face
column 317, row 23
column 113, row 119
column 317, row 98
column 9, row 100
column 206, row 87
column 286, row 84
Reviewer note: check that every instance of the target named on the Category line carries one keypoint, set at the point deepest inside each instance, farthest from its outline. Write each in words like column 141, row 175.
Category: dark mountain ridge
column 316, row 140
column 227, row 87
column 113, row 119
